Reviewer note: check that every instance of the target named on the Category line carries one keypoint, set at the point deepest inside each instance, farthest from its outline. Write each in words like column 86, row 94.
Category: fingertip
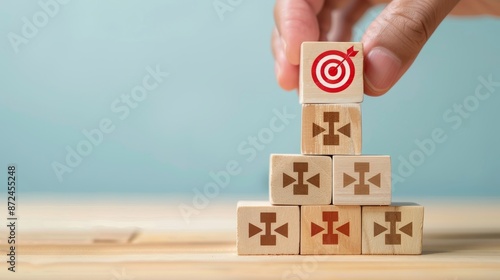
column 298, row 31
column 382, row 69
column 373, row 93
column 394, row 39
column 296, row 22
column 287, row 76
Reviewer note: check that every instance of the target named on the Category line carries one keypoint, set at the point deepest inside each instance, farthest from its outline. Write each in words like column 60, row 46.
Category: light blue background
column 220, row 91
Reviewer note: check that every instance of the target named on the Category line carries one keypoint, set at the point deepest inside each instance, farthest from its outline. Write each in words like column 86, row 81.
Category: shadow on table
column 437, row 243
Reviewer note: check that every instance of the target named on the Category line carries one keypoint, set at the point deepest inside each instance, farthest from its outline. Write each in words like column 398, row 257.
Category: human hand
column 391, row 43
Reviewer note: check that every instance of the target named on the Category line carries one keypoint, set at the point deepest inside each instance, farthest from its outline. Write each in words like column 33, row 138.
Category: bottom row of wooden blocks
column 264, row 229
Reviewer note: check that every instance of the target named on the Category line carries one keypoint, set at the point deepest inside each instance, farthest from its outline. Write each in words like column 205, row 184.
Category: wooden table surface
column 147, row 238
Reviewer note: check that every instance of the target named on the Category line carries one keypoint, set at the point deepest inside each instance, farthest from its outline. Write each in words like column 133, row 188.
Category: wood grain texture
column 330, row 230
column 330, row 129
column 267, row 230
column 395, row 229
column 362, row 180
column 461, row 241
column 310, row 92
column 300, row 180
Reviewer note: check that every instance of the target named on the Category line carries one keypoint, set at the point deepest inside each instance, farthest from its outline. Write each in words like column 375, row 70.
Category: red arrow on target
column 338, row 64
column 351, row 52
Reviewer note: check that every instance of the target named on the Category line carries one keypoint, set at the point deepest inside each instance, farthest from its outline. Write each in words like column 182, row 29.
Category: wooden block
column 300, row 180
column 395, row 229
column 330, row 229
column 264, row 229
column 329, row 129
column 362, row 180
column 331, row 72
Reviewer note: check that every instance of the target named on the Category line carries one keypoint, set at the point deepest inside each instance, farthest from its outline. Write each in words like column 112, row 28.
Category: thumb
column 394, row 39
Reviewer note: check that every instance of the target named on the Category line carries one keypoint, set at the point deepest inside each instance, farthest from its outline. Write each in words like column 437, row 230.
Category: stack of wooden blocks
column 330, row 199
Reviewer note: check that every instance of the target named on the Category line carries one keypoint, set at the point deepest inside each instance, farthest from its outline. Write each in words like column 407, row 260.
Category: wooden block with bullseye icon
column 330, row 229
column 331, row 72
column 300, row 180
column 264, row 229
column 392, row 230
column 362, row 180
column 329, row 129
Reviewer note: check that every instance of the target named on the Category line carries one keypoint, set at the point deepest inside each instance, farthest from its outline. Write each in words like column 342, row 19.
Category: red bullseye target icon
column 333, row 71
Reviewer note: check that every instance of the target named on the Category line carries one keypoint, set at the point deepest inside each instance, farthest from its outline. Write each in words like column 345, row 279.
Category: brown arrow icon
column 314, row 180
column 287, row 180
column 375, row 180
column 348, row 180
column 253, row 230
column 283, row 230
column 346, row 130
column 408, row 229
column 317, row 130
column 378, row 229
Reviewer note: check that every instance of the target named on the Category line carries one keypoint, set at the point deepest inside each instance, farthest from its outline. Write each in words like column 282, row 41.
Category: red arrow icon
column 344, row 229
column 351, row 52
column 315, row 229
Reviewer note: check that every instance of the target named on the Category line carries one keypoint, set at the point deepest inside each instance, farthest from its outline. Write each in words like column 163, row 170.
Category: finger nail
column 382, row 68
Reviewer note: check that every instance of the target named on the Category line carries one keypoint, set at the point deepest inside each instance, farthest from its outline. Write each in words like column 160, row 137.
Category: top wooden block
column 331, row 72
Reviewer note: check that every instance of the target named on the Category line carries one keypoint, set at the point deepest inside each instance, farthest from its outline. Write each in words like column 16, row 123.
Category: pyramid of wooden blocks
column 330, row 199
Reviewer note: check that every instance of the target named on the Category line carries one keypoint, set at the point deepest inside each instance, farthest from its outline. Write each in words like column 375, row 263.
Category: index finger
column 296, row 22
